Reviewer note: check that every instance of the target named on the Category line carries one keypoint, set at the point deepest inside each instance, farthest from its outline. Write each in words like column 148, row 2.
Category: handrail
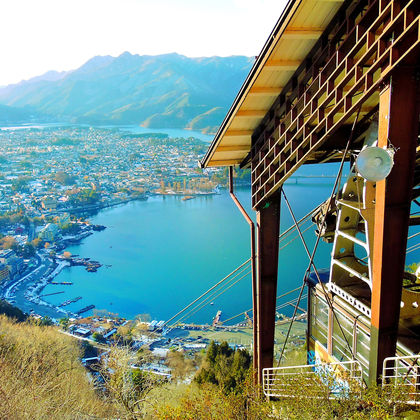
column 403, row 371
column 281, row 381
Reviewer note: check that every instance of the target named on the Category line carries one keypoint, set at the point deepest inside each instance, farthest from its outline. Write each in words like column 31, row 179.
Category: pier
column 68, row 302
column 85, row 309
column 216, row 319
column 50, row 294
column 64, row 283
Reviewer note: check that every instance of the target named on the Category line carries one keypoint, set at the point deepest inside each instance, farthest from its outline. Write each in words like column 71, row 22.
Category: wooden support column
column 268, row 227
column 398, row 126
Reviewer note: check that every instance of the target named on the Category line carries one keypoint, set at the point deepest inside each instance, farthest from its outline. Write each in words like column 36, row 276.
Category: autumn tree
column 180, row 365
column 8, row 242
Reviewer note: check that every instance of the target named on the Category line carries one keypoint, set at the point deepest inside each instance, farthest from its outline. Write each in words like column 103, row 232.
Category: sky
column 42, row 35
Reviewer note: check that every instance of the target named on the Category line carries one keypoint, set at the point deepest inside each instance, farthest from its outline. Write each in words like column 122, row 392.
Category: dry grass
column 42, row 377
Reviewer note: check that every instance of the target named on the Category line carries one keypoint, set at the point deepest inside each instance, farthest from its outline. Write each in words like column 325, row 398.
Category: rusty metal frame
column 253, row 271
column 398, row 125
column 329, row 95
column 268, row 228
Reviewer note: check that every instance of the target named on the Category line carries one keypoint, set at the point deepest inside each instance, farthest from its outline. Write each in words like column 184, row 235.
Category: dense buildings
column 63, row 168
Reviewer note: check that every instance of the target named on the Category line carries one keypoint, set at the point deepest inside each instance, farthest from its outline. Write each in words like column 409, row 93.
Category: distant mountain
column 12, row 115
column 161, row 91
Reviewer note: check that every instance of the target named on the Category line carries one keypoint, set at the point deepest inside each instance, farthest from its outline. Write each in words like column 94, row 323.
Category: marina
column 51, row 294
column 69, row 301
column 85, row 309
column 135, row 228
column 64, row 283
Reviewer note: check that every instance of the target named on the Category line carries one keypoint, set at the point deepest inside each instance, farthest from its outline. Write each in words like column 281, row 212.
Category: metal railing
column 403, row 372
column 322, row 380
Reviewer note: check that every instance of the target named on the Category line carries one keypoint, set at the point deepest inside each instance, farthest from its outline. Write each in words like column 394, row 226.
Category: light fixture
column 375, row 163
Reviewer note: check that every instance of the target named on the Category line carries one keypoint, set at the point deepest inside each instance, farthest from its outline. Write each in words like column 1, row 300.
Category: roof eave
column 262, row 57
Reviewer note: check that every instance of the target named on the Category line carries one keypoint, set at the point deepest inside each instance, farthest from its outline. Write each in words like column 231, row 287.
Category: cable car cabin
column 339, row 307
column 345, row 335
column 336, row 81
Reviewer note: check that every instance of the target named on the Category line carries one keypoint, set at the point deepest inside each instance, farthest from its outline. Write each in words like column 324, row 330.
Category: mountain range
column 162, row 91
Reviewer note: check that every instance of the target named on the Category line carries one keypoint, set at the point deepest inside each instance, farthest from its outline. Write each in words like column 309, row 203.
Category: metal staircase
column 351, row 272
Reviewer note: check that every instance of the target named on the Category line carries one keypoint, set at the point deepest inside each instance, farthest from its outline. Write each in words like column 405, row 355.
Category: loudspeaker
column 375, row 163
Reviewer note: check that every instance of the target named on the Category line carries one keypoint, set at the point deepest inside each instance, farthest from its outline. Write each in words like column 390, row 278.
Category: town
column 51, row 180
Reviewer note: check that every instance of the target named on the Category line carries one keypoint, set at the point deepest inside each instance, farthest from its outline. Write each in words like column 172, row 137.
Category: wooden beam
column 237, row 133
column 265, row 91
column 268, row 226
column 234, row 148
column 397, row 125
column 285, row 65
column 225, row 162
column 253, row 113
column 315, row 125
column 302, row 33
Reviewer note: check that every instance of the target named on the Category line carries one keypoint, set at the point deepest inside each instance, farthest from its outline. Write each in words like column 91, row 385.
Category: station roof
column 298, row 29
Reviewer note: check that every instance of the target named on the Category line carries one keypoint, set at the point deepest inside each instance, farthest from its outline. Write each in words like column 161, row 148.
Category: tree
column 124, row 334
column 70, row 228
column 212, row 351
column 25, row 164
column 67, row 255
column 20, row 184
column 46, row 321
column 127, row 387
column 28, row 250
column 143, row 318
column 63, row 178
column 8, row 242
column 144, row 355
column 179, row 364
column 36, row 243
column 98, row 337
column 224, row 367
column 64, row 323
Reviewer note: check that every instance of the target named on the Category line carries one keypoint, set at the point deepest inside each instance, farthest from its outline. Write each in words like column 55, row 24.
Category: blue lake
column 160, row 254
column 135, row 129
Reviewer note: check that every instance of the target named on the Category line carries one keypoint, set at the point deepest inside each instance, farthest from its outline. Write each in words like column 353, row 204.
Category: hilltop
column 160, row 91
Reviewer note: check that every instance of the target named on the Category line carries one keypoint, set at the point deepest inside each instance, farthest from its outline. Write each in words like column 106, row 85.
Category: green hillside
column 168, row 90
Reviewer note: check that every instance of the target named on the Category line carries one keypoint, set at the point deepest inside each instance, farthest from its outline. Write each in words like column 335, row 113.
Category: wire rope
column 413, row 236
column 296, row 237
column 205, row 293
column 208, row 300
column 293, row 227
column 251, row 309
column 311, row 256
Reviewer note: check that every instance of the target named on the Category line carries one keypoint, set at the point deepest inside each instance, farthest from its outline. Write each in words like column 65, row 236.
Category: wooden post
column 268, row 228
column 397, row 126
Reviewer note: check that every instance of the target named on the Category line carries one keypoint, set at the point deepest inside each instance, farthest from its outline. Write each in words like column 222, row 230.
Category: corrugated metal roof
column 298, row 29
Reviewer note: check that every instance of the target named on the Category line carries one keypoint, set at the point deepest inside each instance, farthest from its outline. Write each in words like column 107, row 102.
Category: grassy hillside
column 42, row 377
